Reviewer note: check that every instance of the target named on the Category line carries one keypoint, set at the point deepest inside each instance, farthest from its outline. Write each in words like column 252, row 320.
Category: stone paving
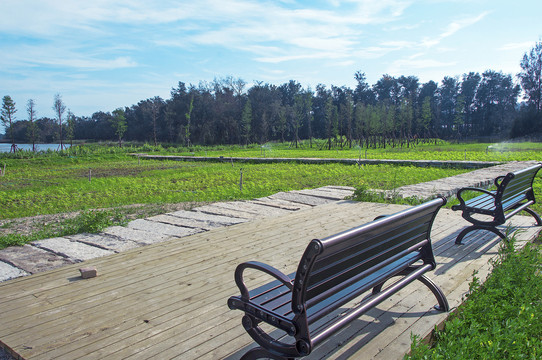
column 448, row 186
column 52, row 253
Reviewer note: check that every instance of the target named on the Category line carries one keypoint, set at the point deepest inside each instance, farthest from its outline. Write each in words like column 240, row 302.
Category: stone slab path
column 52, row 253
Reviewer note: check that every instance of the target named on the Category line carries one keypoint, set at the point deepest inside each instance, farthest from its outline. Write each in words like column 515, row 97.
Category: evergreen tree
column 246, row 122
column 531, row 76
column 7, row 115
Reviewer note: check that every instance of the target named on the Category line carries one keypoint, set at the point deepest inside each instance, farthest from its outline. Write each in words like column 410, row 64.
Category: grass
column 90, row 177
column 39, row 186
column 90, row 221
column 434, row 150
column 501, row 319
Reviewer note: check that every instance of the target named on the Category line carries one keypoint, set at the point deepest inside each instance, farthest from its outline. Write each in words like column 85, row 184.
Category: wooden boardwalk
column 168, row 300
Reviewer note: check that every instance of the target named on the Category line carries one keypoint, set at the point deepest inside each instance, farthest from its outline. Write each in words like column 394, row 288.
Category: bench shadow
column 363, row 329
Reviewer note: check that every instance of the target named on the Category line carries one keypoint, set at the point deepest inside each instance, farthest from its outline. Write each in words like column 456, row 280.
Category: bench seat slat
column 321, row 308
column 273, row 296
column 482, row 201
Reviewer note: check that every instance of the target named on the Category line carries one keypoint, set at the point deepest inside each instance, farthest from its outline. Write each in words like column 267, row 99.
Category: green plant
column 90, row 221
column 501, row 319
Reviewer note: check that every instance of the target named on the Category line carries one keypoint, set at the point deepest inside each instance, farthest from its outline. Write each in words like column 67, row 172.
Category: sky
column 100, row 55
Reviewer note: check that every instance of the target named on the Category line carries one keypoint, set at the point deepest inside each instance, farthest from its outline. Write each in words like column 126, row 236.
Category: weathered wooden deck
column 168, row 300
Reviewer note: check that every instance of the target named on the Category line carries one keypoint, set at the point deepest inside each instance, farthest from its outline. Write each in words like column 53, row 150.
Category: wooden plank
column 68, row 299
column 168, row 300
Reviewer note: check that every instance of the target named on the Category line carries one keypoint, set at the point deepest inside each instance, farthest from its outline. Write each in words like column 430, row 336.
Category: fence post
column 241, row 180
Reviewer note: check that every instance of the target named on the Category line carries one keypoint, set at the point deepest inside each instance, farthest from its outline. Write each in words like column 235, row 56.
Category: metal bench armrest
column 462, row 201
column 277, row 274
column 498, row 180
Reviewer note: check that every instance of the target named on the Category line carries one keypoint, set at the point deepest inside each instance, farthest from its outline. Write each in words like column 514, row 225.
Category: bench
column 331, row 273
column 514, row 193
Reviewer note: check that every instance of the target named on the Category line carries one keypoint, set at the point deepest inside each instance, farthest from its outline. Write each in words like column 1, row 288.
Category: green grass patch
column 501, row 319
column 434, row 150
column 48, row 185
column 90, row 221
column 95, row 176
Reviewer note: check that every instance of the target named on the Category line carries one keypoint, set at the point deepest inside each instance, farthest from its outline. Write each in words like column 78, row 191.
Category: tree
column 32, row 129
column 387, row 88
column 426, row 116
column 531, row 76
column 188, row 115
column 363, row 92
column 246, row 122
column 118, row 121
column 496, row 100
column 469, row 86
column 448, row 93
column 8, row 118
column 332, row 121
column 59, row 108
column 156, row 104
column 70, row 127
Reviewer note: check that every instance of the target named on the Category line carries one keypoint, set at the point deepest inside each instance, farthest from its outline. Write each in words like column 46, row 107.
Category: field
column 436, row 150
column 92, row 177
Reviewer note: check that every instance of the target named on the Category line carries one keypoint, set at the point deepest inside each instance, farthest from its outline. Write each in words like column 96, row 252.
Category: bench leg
column 261, row 353
column 535, row 215
column 477, row 227
column 441, row 298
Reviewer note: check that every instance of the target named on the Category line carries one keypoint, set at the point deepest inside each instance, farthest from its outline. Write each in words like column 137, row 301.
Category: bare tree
column 59, row 108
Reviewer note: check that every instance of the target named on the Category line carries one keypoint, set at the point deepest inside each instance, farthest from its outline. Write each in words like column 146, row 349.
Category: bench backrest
column 517, row 186
column 330, row 265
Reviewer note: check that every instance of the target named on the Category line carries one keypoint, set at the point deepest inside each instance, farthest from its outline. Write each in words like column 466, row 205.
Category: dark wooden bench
column 332, row 272
column 514, row 193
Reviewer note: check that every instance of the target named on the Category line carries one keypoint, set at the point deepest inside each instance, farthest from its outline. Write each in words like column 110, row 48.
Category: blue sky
column 105, row 54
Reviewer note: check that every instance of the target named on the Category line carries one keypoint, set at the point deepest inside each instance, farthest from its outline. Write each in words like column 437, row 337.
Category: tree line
column 395, row 111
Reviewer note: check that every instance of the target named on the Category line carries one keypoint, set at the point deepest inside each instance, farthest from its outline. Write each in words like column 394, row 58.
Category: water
column 40, row 147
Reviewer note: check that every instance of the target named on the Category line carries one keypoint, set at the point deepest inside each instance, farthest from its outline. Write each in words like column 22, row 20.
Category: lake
column 40, row 147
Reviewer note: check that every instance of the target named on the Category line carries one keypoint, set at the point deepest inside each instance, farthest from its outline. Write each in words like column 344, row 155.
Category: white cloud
column 517, row 46
column 453, row 28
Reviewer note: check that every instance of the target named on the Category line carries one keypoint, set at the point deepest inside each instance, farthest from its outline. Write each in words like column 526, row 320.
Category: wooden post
column 241, row 180
column 89, row 174
column 138, row 159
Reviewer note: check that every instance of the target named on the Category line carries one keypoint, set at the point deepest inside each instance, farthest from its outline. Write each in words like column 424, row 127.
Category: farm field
column 92, row 177
column 439, row 150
